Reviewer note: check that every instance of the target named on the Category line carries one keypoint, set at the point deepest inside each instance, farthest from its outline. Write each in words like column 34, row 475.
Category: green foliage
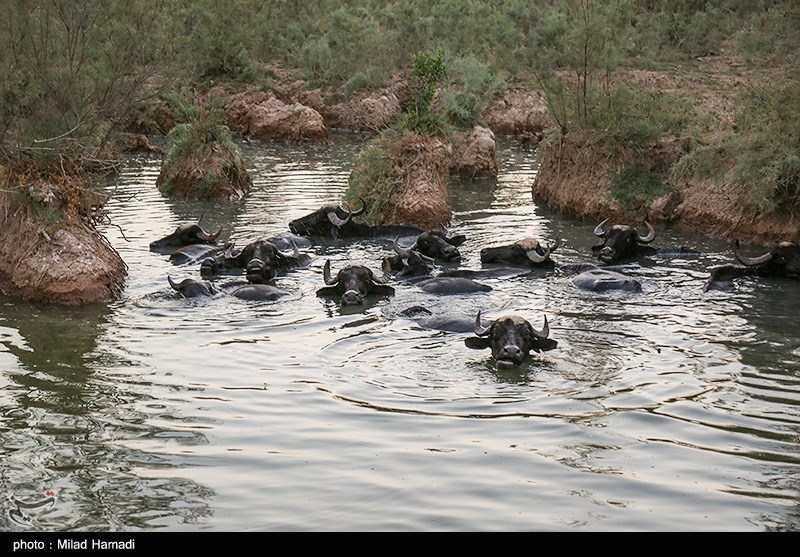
column 635, row 186
column 472, row 84
column 632, row 117
column 372, row 177
column 428, row 70
column 768, row 144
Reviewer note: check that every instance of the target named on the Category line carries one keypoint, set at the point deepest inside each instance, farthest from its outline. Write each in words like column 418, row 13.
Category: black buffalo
column 622, row 241
column 781, row 261
column 511, row 339
column 354, row 283
column 408, row 262
column 435, row 244
column 261, row 260
column 194, row 253
column 602, row 280
column 528, row 252
column 192, row 288
column 184, row 235
column 334, row 222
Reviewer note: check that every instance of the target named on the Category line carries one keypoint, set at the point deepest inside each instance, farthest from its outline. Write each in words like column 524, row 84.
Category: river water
column 668, row 409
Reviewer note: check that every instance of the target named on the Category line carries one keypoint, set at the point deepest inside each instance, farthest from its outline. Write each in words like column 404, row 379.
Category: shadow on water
column 67, row 429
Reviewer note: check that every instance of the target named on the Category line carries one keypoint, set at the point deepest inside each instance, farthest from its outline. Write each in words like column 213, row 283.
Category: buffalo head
column 260, row 259
column 325, row 221
column 511, row 338
column 620, row 241
column 782, row 260
column 528, row 252
column 409, row 262
column 191, row 288
column 437, row 245
column 184, row 235
column 354, row 283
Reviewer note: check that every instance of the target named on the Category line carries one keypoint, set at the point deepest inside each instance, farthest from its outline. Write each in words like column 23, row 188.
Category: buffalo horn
column 213, row 237
column 750, row 261
column 480, row 330
column 598, row 230
column 534, row 256
column 172, row 284
column 401, row 251
column 545, row 330
column 651, row 234
column 387, row 269
column 326, row 273
column 361, row 210
column 336, row 221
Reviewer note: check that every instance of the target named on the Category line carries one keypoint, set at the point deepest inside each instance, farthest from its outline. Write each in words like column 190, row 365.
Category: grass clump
column 202, row 162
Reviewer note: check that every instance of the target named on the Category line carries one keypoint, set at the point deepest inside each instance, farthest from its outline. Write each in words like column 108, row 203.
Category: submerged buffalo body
column 528, row 252
column 781, row 261
column 194, row 253
column 602, row 280
column 352, row 284
column 511, row 339
column 185, row 235
column 191, row 288
column 334, row 222
column 621, row 241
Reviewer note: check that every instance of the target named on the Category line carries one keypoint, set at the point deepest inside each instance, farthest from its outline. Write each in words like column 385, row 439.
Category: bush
column 635, row 186
column 472, row 84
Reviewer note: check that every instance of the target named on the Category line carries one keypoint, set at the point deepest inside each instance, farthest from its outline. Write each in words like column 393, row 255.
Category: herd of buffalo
column 511, row 338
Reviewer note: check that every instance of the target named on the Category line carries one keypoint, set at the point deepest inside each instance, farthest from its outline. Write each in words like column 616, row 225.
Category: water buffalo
column 781, row 261
column 602, row 280
column 194, row 253
column 436, row 244
column 334, row 222
column 260, row 259
column 408, row 262
column 444, row 322
column 184, row 235
column 511, row 339
column 354, row 283
column 191, row 288
column 526, row 252
column 622, row 241
column 451, row 285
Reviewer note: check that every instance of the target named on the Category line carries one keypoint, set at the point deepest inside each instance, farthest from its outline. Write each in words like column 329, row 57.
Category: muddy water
column 668, row 409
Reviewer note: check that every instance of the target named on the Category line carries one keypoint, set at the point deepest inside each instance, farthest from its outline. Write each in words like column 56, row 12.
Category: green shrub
column 372, row 178
column 635, row 186
column 471, row 85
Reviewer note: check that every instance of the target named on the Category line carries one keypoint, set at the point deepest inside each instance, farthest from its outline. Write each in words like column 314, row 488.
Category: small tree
column 428, row 71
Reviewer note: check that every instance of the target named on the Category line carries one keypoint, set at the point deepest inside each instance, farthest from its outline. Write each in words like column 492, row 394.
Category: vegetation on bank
column 385, row 164
column 202, row 162
column 74, row 71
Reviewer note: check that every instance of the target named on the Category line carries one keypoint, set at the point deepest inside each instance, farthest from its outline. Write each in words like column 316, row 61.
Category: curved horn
column 212, row 237
column 534, row 256
column 545, row 330
column 172, row 284
column 598, row 230
column 750, row 261
column 480, row 330
column 387, row 269
column 326, row 273
column 555, row 245
column 199, row 220
column 651, row 234
column 361, row 210
column 336, row 221
column 401, row 251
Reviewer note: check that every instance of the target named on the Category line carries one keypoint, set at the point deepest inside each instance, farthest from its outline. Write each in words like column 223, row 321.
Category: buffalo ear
column 478, row 343
column 544, row 344
column 382, row 290
column 456, row 240
column 328, row 291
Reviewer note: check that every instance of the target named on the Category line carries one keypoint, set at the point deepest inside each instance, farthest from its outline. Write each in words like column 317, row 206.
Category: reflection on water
column 668, row 409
